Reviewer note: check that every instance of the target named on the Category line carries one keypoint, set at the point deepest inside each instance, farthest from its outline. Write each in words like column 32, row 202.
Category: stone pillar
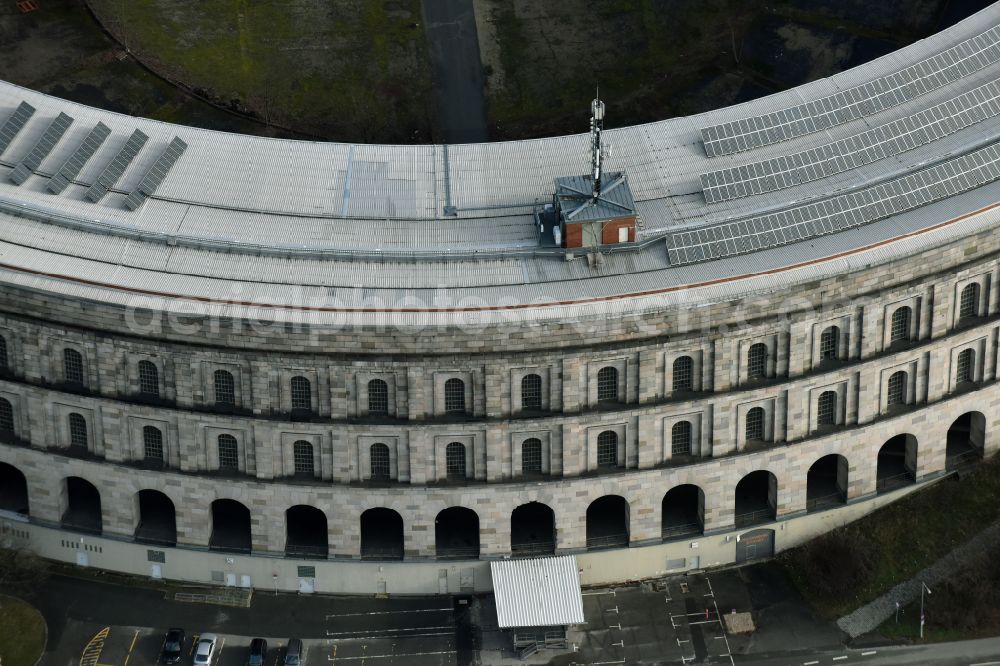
column 571, row 523
column 496, row 440
column 574, row 450
column 416, row 394
column 723, row 364
column 267, row 528
column 871, row 331
column 194, row 522
column 418, row 535
column 189, row 441
column 782, row 353
column 799, row 348
column 650, row 440
column 796, row 418
column 571, row 385
column 650, row 375
column 934, row 373
column 644, row 525
column 421, row 458
column 940, row 313
column 869, row 394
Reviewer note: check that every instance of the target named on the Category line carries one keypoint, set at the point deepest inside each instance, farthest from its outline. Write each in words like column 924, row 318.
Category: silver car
column 205, row 649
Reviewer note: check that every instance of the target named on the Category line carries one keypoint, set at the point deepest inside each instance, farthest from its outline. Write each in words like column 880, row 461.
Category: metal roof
column 575, row 195
column 541, row 592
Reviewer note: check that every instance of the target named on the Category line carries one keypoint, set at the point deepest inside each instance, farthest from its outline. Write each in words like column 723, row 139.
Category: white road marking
column 385, row 631
column 395, row 655
column 809, row 663
column 402, row 612
column 986, row 663
column 594, row 594
column 840, row 658
column 871, row 652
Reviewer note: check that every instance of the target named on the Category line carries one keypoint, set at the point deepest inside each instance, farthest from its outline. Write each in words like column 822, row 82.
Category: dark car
column 293, row 653
column 258, row 650
column 173, row 646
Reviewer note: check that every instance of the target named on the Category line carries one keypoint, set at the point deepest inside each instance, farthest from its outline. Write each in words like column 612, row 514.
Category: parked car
column 258, row 650
column 173, row 646
column 293, row 653
column 205, row 649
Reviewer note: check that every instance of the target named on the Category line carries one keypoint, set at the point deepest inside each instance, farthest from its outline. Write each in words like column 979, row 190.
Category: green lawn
column 855, row 564
column 22, row 633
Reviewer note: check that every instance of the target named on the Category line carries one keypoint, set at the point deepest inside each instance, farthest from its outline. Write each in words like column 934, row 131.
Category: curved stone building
column 358, row 368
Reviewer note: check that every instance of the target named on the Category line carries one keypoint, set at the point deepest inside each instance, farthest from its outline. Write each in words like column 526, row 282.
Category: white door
column 443, row 581
column 82, row 559
column 695, row 562
column 623, row 234
column 307, row 585
column 230, row 580
column 156, row 571
column 245, row 581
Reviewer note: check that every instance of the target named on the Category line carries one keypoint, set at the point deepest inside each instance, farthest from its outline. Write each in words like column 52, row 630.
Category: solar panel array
column 41, row 150
column 71, row 168
column 117, row 166
column 13, row 125
column 876, row 144
column 156, row 173
column 837, row 213
column 863, row 100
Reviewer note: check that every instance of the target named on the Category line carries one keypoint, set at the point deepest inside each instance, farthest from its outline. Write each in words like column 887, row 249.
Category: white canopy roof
column 543, row 592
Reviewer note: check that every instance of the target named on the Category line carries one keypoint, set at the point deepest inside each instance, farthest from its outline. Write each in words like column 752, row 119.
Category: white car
column 205, row 649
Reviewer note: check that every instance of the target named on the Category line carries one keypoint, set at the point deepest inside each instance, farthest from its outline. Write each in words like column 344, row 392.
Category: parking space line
column 840, row 658
column 809, row 663
column 594, row 594
column 131, row 647
column 871, row 652
column 401, row 612
column 371, row 632
column 395, row 655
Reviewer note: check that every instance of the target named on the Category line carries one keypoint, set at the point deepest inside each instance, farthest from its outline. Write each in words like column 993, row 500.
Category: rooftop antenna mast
column 596, row 127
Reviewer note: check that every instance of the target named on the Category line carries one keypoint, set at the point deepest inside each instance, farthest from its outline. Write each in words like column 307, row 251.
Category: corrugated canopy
column 543, row 592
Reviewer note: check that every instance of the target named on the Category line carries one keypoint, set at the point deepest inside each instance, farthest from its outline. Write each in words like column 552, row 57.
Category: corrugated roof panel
column 542, row 592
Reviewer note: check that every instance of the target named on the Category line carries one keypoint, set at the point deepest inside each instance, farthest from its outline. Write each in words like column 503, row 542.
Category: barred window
column 757, row 361
column 531, row 392
column 826, row 410
column 6, row 417
column 149, row 378
column 899, row 330
column 829, row 342
column 378, row 397
column 897, row 388
column 77, row 430
column 302, row 452
column 683, row 374
column 380, row 462
column 680, row 439
column 229, row 453
column 454, row 456
column 755, row 425
column 301, row 393
column 607, row 384
column 225, row 388
column 454, row 396
column 966, row 362
column 531, row 456
column 4, row 362
column 72, row 366
column 607, row 449
column 152, row 443
column 969, row 301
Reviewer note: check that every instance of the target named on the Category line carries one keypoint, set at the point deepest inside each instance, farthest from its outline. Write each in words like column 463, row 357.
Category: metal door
column 381, row 587
column 82, row 559
column 442, row 581
column 156, row 571
column 694, row 562
column 466, row 582
column 754, row 545
column 230, row 580
column 245, row 581
column 307, row 585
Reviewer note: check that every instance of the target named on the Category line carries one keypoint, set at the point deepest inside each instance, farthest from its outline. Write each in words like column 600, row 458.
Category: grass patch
column 22, row 633
column 853, row 565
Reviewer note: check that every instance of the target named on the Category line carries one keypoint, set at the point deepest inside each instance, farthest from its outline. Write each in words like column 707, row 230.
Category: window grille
column 77, row 430
column 826, row 410
column 969, row 301
column 454, row 396
column 152, row 443
column 757, row 361
column 301, row 393
column 897, row 388
column 229, row 455
column 966, row 360
column 531, row 392
column 225, row 388
column 607, row 449
column 683, row 374
column 607, row 385
column 455, row 460
column 378, row 397
column 72, row 366
column 531, row 456
column 900, row 327
column 6, row 417
column 302, row 452
column 149, row 378
column 4, row 363
column 380, row 462
column 755, row 425
column 680, row 439
column 828, row 343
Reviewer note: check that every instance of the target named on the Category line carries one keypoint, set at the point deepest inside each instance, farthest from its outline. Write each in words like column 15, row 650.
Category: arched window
column 897, row 388
column 607, row 384
column 301, row 393
column 378, row 398
column 531, row 456
column 149, row 378
column 757, row 361
column 966, row 364
column 683, row 374
column 829, row 343
column 607, row 449
column 899, row 329
column 225, row 388
column 152, row 444
column 531, row 392
column 302, row 452
column 4, row 361
column 380, row 462
column 77, row 430
column 454, row 396
column 680, row 439
column 826, row 410
column 72, row 366
column 755, row 425
column 6, row 417
column 229, row 453
column 968, row 302
column 454, row 456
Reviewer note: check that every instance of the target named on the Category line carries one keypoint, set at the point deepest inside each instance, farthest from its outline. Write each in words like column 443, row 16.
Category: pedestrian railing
column 826, row 501
column 895, row 481
column 962, row 460
column 677, row 531
column 458, row 553
column 754, row 517
column 532, row 548
column 382, row 553
column 306, row 551
column 609, row 541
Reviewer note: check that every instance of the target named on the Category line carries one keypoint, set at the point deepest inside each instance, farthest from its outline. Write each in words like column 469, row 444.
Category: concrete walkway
column 457, row 70
column 870, row 616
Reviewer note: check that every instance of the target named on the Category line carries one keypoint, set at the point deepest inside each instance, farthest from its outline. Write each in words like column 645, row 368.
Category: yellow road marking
column 134, row 638
column 92, row 651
